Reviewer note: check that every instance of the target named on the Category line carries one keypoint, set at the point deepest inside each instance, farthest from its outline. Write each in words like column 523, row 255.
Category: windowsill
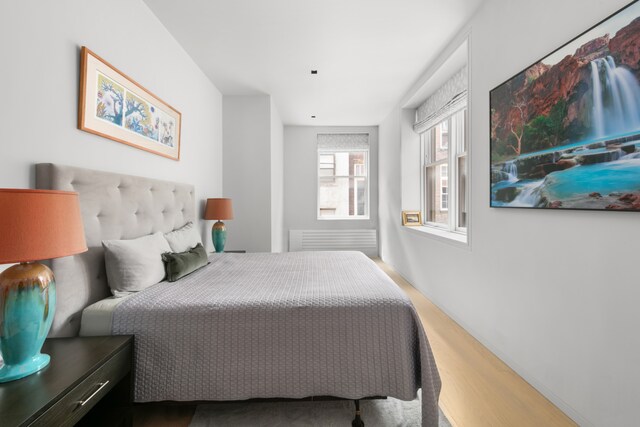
column 361, row 218
column 447, row 236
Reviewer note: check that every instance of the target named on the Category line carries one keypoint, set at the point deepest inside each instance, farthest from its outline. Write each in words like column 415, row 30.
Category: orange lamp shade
column 39, row 224
column 218, row 209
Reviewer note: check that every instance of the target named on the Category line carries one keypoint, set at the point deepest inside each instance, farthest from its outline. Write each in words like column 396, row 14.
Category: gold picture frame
column 114, row 106
column 411, row 218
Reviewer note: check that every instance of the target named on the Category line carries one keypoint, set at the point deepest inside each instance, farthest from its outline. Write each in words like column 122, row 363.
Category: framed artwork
column 411, row 218
column 114, row 106
column 565, row 132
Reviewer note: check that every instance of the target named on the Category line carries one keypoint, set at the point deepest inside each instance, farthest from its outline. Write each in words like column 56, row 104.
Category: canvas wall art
column 565, row 132
column 114, row 106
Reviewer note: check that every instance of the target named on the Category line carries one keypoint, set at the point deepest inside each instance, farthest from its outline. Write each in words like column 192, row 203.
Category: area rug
column 336, row 413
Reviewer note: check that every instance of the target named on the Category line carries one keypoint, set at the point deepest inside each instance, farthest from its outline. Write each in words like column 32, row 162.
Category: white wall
column 553, row 293
column 40, row 50
column 277, row 180
column 247, row 171
column 253, row 172
column 301, row 174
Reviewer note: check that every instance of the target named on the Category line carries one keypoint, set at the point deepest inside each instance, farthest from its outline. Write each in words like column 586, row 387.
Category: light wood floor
column 478, row 389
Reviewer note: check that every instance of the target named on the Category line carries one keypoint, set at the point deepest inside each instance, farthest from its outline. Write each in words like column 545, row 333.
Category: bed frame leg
column 357, row 421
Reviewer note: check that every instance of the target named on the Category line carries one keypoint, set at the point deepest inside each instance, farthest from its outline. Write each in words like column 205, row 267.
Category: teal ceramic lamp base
column 27, row 305
column 31, row 366
column 219, row 236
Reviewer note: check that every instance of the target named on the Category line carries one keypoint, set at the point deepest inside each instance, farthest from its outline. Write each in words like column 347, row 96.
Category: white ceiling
column 449, row 66
column 367, row 52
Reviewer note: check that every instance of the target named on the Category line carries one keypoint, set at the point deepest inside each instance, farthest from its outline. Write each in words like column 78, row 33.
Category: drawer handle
column 84, row 402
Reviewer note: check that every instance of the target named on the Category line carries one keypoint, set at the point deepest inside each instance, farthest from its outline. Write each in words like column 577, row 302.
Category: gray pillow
column 178, row 265
column 184, row 238
column 133, row 265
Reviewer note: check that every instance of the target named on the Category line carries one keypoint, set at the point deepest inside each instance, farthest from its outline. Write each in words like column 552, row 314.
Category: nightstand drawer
column 75, row 404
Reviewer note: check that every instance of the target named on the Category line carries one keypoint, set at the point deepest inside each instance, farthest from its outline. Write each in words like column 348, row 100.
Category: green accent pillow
column 178, row 265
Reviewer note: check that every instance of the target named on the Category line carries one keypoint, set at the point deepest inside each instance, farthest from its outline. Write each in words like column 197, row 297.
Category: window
column 343, row 185
column 343, row 176
column 441, row 142
column 445, row 162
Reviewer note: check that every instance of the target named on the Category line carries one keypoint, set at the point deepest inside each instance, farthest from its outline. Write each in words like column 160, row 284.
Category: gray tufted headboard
column 113, row 206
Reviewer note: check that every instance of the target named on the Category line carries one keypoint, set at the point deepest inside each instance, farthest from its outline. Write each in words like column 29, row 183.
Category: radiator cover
column 365, row 241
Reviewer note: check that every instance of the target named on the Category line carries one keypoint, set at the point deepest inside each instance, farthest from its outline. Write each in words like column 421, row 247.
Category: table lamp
column 34, row 225
column 218, row 209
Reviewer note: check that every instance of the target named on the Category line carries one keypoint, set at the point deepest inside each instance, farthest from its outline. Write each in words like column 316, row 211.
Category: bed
column 246, row 326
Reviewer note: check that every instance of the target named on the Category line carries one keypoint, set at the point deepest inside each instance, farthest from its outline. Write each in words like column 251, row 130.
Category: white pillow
column 184, row 238
column 133, row 265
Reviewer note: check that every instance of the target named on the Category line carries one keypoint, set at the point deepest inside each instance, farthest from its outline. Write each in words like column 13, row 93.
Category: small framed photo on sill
column 411, row 218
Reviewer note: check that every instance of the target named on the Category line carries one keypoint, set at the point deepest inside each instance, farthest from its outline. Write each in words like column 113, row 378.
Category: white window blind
column 448, row 99
column 343, row 141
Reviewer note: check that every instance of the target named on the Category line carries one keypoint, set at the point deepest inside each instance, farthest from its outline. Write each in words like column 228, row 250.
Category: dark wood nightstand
column 88, row 382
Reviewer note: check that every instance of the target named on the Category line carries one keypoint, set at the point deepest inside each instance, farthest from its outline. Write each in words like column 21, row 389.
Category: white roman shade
column 343, row 141
column 449, row 98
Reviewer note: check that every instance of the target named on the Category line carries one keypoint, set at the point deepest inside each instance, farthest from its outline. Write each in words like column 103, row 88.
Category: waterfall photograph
column 565, row 132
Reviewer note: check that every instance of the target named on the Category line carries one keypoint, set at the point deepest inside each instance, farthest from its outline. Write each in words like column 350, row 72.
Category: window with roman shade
column 343, row 176
column 442, row 121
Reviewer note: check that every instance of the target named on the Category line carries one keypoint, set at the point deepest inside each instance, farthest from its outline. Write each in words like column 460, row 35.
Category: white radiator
column 334, row 240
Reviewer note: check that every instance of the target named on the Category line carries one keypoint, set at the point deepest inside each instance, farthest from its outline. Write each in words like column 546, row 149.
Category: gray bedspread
column 289, row 325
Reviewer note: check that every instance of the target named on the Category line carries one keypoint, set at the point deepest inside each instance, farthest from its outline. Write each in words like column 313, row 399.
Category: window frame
column 319, row 179
column 467, row 195
column 454, row 153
